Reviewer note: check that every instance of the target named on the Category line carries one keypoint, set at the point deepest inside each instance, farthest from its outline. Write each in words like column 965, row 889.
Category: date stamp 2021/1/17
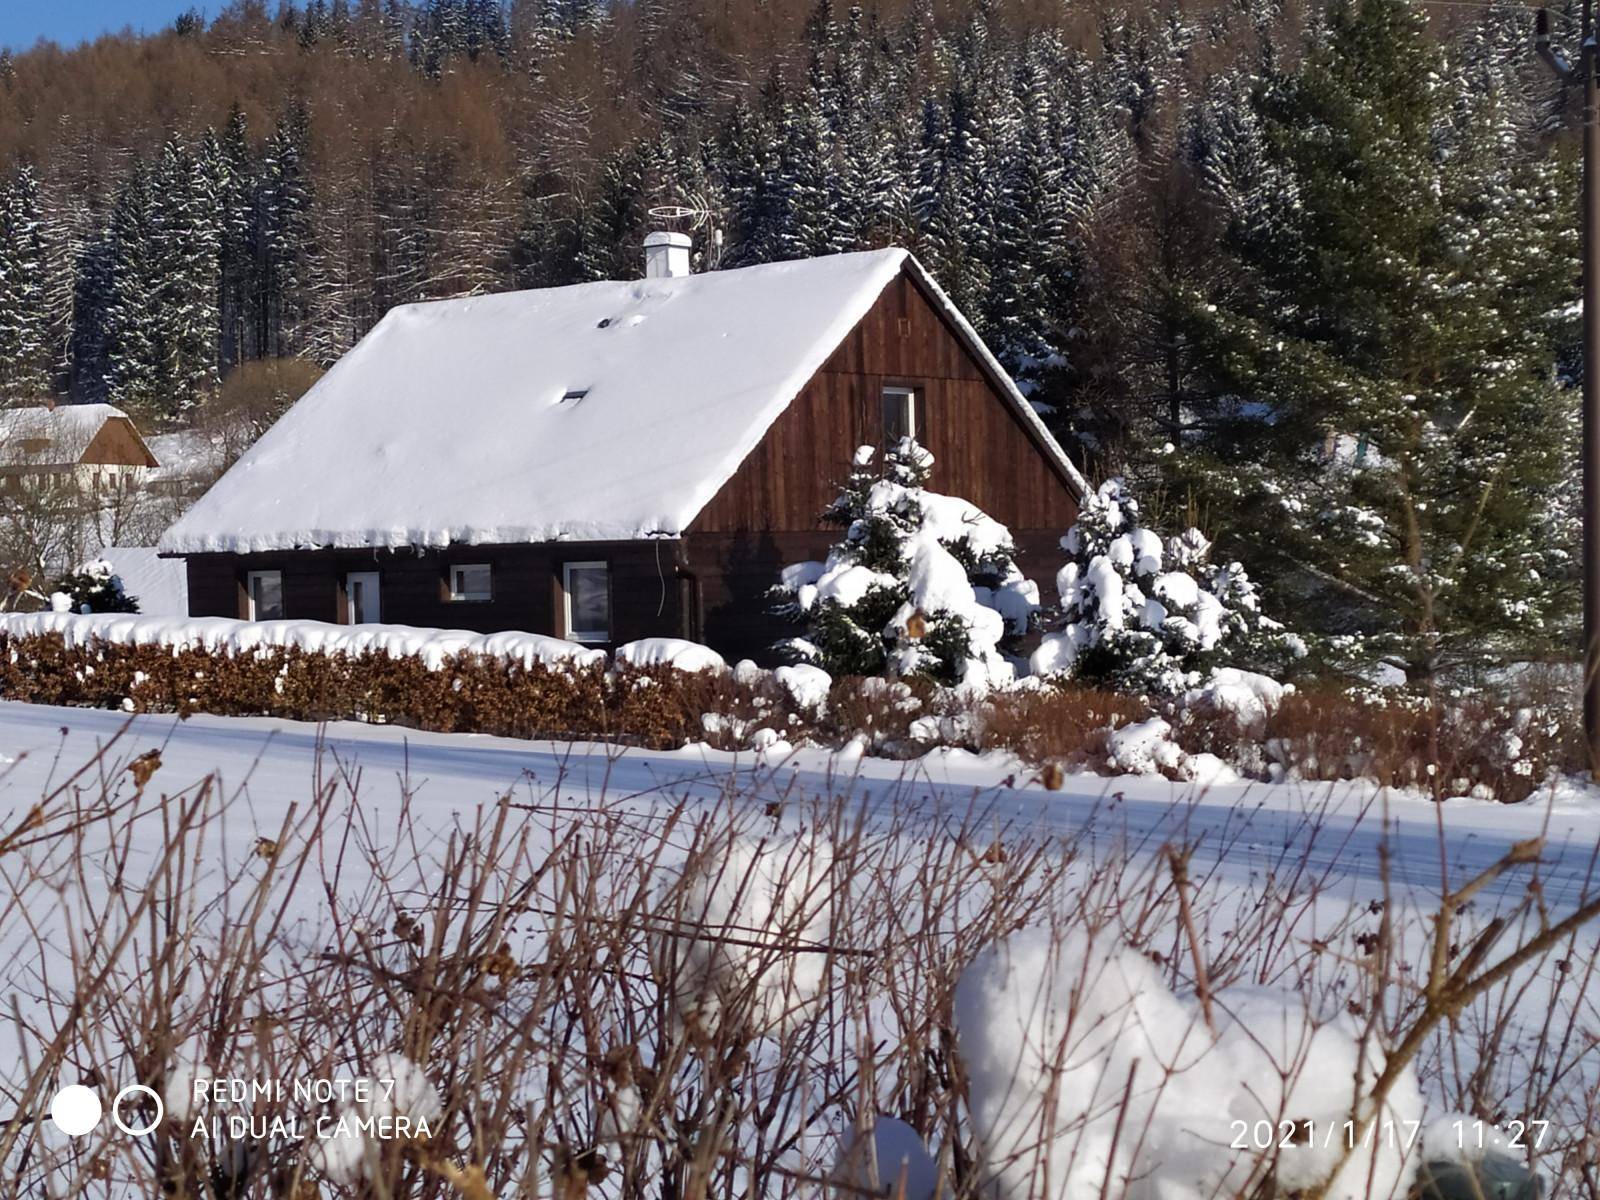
column 1469, row 1134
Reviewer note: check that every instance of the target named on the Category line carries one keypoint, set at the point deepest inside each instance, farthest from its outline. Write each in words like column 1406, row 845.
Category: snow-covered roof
column 160, row 585
column 601, row 411
column 39, row 434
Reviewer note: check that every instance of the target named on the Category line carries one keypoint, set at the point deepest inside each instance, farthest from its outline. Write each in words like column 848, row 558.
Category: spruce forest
column 1304, row 273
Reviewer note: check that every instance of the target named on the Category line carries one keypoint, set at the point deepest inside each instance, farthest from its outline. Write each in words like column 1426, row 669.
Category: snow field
column 618, row 955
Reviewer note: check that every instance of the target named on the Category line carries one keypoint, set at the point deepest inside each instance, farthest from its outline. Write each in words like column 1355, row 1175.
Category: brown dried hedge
column 1505, row 748
column 655, row 706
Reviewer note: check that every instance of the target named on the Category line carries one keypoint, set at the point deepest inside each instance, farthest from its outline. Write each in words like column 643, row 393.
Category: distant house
column 615, row 460
column 93, row 449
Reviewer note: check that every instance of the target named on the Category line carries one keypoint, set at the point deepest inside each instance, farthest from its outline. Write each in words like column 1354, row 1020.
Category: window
column 472, row 581
column 587, row 589
column 899, row 415
column 264, row 595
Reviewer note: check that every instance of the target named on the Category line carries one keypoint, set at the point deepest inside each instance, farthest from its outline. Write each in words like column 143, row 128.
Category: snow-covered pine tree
column 234, row 171
column 188, row 218
column 1382, row 427
column 1155, row 617
column 919, row 584
column 24, row 318
column 95, row 587
column 283, row 233
column 134, row 354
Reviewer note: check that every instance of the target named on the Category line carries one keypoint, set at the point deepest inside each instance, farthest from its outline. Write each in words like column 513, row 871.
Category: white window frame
column 250, row 595
column 584, row 635
column 349, row 597
column 457, row 596
column 908, row 397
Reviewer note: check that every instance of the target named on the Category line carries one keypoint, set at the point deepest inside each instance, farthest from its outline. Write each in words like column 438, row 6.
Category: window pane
column 589, row 594
column 471, row 582
column 266, row 595
column 899, row 415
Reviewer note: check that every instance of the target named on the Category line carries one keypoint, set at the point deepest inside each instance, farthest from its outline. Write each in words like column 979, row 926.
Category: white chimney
column 666, row 255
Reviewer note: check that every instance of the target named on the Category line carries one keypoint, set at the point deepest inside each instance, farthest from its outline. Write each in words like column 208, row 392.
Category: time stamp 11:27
column 1469, row 1134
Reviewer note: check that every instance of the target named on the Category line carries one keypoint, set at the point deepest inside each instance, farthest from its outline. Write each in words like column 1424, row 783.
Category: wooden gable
column 983, row 449
column 117, row 444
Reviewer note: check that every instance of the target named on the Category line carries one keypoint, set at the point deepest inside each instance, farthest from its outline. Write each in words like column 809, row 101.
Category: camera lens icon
column 76, row 1110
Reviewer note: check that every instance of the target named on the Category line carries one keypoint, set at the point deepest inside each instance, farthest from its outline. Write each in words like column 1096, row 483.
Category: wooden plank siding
column 413, row 590
column 982, row 449
column 117, row 444
column 767, row 515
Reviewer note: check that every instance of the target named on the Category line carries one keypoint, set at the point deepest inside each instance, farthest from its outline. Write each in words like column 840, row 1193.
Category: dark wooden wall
column 766, row 516
column 982, row 449
column 527, row 585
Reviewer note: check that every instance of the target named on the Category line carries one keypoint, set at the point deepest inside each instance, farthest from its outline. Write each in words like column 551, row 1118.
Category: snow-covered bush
column 920, row 583
column 749, row 920
column 1143, row 615
column 1084, row 1066
column 94, row 587
column 670, row 652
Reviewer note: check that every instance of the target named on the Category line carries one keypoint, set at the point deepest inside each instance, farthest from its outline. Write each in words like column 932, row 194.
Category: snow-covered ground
column 1343, row 844
column 1241, row 830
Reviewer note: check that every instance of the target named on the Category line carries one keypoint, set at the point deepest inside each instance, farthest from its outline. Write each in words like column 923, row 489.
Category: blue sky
column 23, row 22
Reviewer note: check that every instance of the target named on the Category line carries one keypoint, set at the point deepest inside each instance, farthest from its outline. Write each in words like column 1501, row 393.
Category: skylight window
column 573, row 395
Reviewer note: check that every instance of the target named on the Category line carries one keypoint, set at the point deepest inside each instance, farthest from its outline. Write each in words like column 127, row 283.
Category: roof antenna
column 692, row 217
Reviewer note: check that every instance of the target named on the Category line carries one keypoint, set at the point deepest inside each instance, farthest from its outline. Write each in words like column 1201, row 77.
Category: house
column 93, row 450
column 615, row 460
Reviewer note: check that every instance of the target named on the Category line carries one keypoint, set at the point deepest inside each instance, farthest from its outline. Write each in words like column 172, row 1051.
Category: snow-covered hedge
column 666, row 693
column 225, row 636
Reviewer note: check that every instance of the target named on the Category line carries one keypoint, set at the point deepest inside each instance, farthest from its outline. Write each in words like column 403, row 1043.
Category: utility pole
column 1589, row 78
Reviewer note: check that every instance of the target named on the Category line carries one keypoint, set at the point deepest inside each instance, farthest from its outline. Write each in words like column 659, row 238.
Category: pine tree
column 134, row 354
column 24, row 319
column 234, row 171
column 283, row 203
column 1384, row 430
column 189, row 227
column 95, row 587
column 919, row 584
column 1154, row 617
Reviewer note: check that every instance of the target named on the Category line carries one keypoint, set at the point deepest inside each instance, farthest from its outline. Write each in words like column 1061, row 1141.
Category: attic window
column 899, row 415
column 574, row 395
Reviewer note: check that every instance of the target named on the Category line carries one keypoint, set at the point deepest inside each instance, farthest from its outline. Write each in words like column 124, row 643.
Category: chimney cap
column 666, row 237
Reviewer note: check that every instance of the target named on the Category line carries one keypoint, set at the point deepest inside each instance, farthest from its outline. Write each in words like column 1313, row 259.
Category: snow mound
column 670, row 652
column 1085, row 1066
column 745, row 930
column 807, row 686
column 1145, row 748
column 220, row 635
column 1247, row 696
column 161, row 585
